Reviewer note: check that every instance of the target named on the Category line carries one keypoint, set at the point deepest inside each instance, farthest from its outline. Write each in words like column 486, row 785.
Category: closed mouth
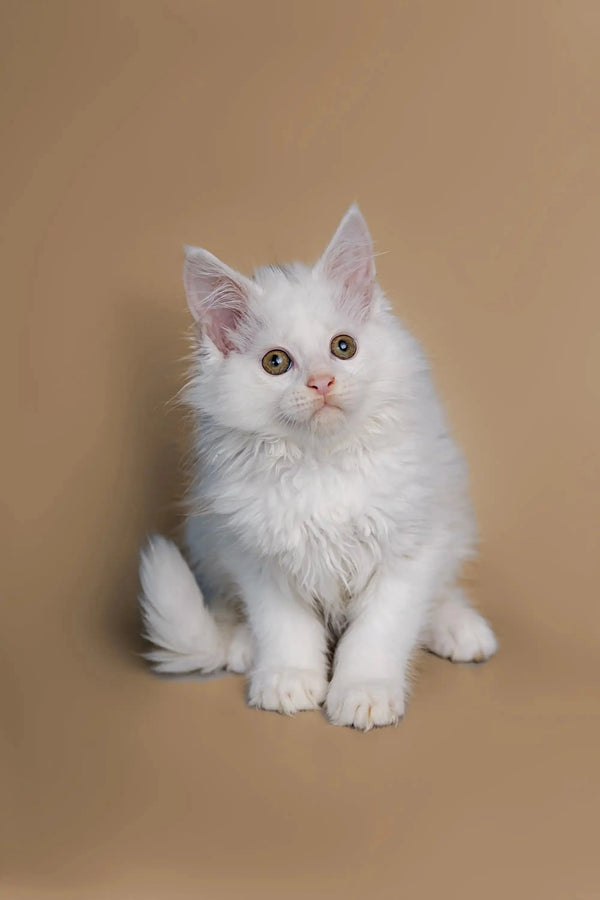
column 327, row 404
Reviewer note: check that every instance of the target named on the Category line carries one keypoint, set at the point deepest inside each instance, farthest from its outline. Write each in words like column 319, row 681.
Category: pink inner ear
column 217, row 296
column 221, row 320
column 349, row 262
column 354, row 275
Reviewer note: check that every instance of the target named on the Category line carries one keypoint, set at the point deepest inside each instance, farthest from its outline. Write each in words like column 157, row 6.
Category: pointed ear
column 348, row 261
column 217, row 295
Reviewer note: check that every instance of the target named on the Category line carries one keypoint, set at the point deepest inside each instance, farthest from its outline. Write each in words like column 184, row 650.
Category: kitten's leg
column 458, row 632
column 370, row 669
column 240, row 650
column 289, row 669
column 235, row 633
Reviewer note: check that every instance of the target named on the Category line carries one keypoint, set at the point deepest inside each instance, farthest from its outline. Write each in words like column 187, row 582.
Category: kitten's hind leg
column 458, row 632
column 240, row 651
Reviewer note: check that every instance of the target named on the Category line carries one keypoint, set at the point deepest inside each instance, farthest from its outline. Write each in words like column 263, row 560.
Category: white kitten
column 329, row 499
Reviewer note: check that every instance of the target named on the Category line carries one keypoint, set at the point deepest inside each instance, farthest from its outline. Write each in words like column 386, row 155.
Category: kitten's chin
column 327, row 419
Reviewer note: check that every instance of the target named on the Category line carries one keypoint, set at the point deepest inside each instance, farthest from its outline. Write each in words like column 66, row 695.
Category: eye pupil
column 343, row 346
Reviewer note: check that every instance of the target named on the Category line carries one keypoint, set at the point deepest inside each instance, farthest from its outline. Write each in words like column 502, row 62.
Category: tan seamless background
column 469, row 132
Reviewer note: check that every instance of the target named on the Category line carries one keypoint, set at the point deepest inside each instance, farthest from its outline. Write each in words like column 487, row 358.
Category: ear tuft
column 217, row 295
column 348, row 261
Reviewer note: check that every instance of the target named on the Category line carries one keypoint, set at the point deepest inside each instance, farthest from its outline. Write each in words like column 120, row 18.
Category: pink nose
column 322, row 383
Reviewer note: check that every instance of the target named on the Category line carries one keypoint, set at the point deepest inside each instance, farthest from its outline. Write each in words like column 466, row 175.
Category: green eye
column 343, row 346
column 276, row 362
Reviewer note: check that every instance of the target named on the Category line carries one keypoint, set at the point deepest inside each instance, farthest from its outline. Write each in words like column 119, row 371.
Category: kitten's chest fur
column 323, row 520
column 322, row 525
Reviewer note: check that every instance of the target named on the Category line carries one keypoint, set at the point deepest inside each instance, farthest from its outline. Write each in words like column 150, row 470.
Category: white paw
column 367, row 705
column 287, row 690
column 239, row 653
column 459, row 633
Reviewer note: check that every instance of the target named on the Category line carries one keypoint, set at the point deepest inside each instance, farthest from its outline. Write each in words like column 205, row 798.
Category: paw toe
column 287, row 690
column 462, row 637
column 365, row 706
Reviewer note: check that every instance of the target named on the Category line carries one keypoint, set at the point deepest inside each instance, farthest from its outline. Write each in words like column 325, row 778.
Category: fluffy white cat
column 329, row 504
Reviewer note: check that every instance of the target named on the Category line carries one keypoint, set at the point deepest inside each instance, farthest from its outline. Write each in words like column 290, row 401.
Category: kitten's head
column 294, row 352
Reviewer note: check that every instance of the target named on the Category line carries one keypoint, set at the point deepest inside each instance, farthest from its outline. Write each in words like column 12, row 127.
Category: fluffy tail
column 185, row 635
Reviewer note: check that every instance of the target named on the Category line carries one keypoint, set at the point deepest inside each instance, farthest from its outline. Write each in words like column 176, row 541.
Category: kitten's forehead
column 278, row 273
column 295, row 302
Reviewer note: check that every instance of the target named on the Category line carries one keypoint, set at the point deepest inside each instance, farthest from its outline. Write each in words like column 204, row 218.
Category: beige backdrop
column 470, row 134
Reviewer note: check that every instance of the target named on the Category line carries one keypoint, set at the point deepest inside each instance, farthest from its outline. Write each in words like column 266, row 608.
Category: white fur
column 315, row 521
column 186, row 635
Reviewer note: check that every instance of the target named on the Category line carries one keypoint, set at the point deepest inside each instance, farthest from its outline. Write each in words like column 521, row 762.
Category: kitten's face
column 294, row 352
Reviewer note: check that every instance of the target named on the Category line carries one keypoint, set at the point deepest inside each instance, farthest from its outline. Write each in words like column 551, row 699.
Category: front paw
column 287, row 690
column 365, row 705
